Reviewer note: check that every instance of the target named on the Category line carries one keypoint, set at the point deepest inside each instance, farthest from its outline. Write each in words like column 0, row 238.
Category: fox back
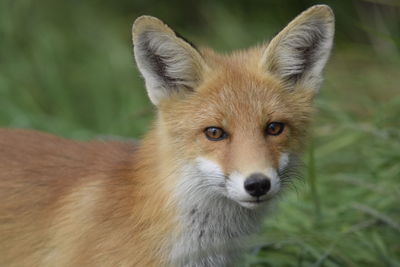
column 227, row 137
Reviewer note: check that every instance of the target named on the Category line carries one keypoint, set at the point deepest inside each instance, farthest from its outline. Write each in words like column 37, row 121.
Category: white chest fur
column 211, row 227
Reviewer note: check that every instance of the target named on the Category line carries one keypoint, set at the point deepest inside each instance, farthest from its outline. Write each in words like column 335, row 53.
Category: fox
column 228, row 135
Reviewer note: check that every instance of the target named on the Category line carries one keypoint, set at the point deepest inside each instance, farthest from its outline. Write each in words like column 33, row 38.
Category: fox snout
column 257, row 184
column 251, row 190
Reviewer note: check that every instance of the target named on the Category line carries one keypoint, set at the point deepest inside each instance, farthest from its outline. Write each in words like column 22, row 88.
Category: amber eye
column 215, row 133
column 275, row 128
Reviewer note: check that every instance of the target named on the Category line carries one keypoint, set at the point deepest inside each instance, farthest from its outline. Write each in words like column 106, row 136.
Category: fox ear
column 297, row 55
column 167, row 62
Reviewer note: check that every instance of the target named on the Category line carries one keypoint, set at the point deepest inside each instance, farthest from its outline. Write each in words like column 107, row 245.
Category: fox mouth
column 256, row 201
column 252, row 204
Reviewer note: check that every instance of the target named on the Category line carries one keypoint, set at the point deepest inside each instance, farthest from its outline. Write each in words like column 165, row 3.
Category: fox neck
column 209, row 228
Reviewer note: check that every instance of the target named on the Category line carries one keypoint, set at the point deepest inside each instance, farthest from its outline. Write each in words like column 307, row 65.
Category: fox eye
column 215, row 133
column 275, row 128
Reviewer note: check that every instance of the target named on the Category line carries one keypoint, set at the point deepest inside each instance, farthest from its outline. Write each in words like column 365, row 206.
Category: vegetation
column 66, row 67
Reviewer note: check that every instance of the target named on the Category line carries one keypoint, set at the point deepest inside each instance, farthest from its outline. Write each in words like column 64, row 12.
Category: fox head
column 237, row 122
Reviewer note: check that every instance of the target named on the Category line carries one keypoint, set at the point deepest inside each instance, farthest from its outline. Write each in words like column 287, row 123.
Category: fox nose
column 257, row 184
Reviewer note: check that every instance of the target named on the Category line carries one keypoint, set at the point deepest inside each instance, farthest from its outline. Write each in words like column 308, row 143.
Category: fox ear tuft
column 298, row 54
column 167, row 62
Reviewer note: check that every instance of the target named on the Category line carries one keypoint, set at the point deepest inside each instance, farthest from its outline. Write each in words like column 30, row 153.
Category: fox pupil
column 275, row 128
column 215, row 133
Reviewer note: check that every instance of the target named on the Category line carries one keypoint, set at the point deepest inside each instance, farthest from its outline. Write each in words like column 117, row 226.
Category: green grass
column 68, row 69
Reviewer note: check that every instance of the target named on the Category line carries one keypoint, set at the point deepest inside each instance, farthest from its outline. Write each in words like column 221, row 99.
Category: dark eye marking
column 215, row 133
column 275, row 128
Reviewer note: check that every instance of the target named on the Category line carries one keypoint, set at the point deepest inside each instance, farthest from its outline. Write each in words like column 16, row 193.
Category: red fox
column 228, row 133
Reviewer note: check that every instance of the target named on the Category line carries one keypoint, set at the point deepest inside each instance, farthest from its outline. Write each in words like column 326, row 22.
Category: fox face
column 240, row 131
column 237, row 122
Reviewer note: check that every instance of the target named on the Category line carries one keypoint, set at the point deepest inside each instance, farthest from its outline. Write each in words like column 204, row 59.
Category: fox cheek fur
column 228, row 132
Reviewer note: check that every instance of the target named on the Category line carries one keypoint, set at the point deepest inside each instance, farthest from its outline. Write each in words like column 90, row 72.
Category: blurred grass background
column 66, row 67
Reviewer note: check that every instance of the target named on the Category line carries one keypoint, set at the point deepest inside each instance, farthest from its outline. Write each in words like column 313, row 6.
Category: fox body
column 228, row 133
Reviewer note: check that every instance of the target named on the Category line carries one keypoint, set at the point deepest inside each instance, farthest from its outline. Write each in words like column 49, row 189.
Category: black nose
column 257, row 184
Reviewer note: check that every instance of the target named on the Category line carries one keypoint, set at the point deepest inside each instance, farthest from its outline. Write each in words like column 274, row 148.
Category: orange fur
column 79, row 204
